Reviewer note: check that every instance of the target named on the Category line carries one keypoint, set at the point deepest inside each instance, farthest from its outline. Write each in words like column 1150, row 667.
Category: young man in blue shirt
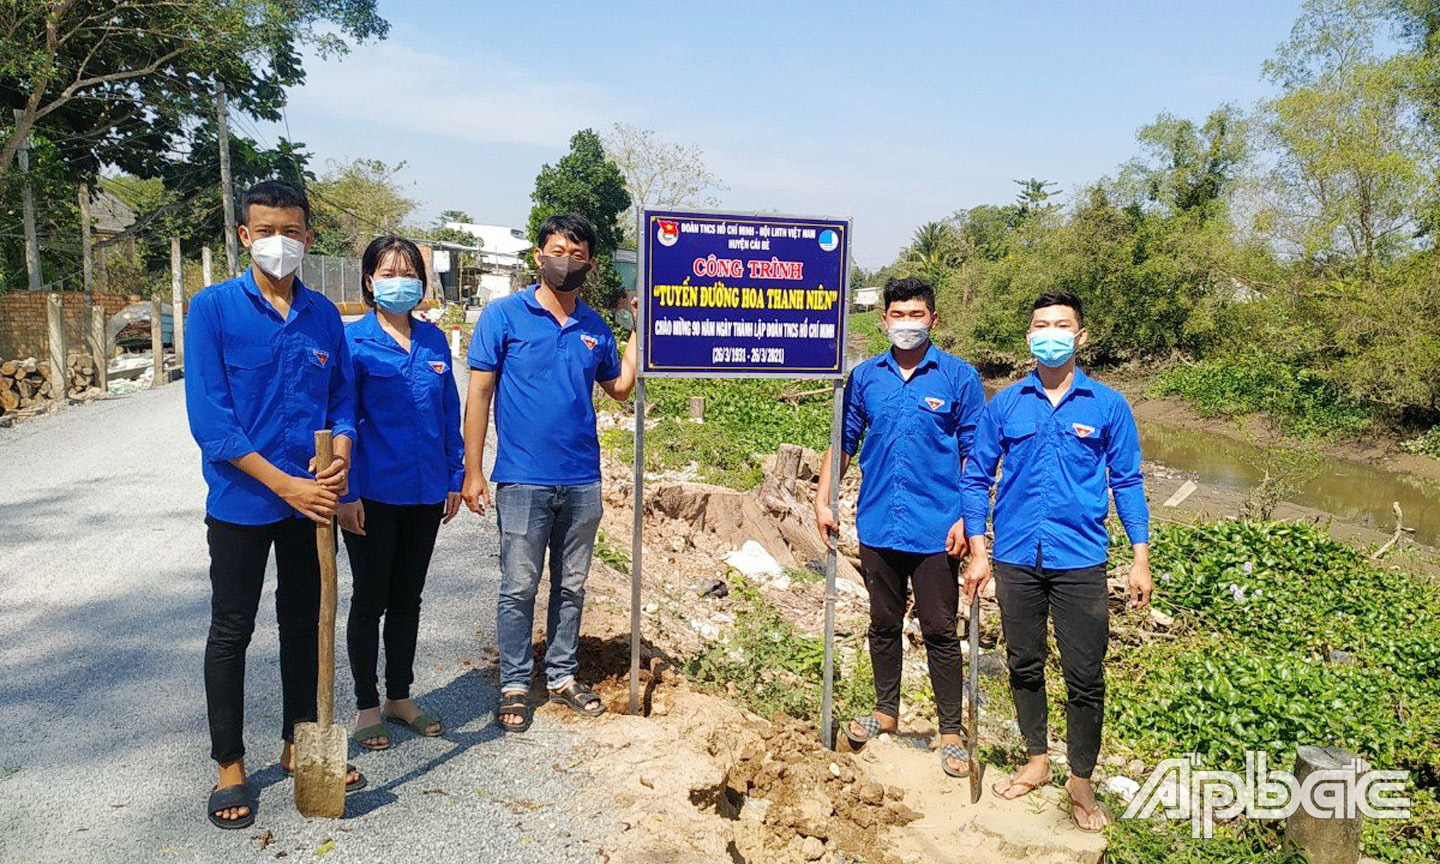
column 1068, row 442
column 916, row 408
column 266, row 365
column 537, row 355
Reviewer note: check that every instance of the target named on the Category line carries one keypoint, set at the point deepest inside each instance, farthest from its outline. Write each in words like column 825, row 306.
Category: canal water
column 1352, row 490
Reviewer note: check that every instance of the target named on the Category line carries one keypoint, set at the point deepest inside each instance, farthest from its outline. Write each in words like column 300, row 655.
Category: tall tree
column 583, row 181
column 1188, row 168
column 356, row 200
column 1033, row 194
column 123, row 82
column 1355, row 163
column 659, row 173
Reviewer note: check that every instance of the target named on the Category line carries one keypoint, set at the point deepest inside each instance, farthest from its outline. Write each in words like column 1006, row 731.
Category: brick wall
column 23, row 326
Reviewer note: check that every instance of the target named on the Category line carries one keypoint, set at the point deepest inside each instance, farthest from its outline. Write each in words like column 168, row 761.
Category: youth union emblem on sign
column 669, row 232
column 829, row 240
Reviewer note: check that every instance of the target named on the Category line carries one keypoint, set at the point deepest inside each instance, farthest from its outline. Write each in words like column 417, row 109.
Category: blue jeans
column 534, row 519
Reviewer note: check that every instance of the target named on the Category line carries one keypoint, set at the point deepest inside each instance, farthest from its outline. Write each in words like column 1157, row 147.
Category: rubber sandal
column 353, row 786
column 376, row 731
column 871, row 727
column 239, row 795
column 1076, row 806
column 577, row 697
column 1029, row 787
column 515, row 704
column 956, row 752
column 420, row 724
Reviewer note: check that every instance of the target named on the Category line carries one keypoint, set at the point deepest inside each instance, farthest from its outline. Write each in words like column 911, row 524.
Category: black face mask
column 563, row 273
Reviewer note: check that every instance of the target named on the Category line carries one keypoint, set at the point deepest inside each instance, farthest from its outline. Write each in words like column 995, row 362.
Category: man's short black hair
column 274, row 193
column 1061, row 298
column 377, row 250
column 909, row 288
column 572, row 225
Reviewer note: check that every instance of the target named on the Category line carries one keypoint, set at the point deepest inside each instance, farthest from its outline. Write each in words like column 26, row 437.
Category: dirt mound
column 711, row 782
column 793, row 800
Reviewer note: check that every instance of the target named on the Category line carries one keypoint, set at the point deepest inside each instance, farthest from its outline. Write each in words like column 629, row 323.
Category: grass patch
column 766, row 663
column 613, row 553
column 1301, row 400
column 1270, row 602
column 865, row 332
column 745, row 421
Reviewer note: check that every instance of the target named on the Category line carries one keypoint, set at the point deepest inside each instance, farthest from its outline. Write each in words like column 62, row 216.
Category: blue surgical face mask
column 1052, row 346
column 397, row 294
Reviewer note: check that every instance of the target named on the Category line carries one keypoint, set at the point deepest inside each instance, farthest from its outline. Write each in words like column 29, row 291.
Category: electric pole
column 227, row 191
column 27, row 204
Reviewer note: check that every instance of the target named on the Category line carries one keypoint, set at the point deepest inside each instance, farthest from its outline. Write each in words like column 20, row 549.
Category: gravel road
column 104, row 754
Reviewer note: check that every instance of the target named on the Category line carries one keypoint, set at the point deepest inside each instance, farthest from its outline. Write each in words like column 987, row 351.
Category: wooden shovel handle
column 325, row 546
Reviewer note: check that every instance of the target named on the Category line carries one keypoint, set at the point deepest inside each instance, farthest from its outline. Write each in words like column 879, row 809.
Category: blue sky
column 891, row 114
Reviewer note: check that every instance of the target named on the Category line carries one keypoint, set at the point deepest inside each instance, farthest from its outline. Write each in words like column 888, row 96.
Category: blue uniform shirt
column 407, row 415
column 1052, row 503
column 257, row 383
column 917, row 433
column 546, row 373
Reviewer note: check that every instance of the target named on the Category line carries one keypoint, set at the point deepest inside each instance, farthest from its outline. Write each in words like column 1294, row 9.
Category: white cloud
column 480, row 98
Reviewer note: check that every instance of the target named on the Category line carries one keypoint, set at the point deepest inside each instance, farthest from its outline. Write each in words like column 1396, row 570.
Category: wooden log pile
column 26, row 385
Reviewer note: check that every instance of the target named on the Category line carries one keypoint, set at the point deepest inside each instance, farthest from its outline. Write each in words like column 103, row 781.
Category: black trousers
column 238, row 554
column 1076, row 600
column 388, row 562
column 888, row 576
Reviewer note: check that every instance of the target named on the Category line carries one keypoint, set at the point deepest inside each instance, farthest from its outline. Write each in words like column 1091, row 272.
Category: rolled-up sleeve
column 208, row 403
column 1127, row 484
column 487, row 343
column 979, row 473
column 854, row 421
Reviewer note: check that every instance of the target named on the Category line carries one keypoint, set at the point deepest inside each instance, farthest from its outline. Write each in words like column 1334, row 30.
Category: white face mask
column 906, row 335
column 277, row 255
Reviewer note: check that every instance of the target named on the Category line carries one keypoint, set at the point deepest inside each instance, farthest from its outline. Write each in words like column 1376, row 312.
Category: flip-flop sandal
column 956, row 752
column 369, row 732
column 579, row 698
column 1029, row 787
column 515, row 704
column 419, row 725
column 871, row 727
column 1076, row 806
column 353, row 786
column 239, row 795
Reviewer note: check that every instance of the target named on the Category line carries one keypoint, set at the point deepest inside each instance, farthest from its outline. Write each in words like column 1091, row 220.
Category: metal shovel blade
column 320, row 770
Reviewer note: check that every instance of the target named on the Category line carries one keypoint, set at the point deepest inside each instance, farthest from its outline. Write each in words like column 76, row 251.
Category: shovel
column 320, row 747
column 972, row 733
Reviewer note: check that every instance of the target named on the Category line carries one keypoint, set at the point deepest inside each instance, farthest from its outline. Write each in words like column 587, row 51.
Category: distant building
column 866, row 298
column 501, row 251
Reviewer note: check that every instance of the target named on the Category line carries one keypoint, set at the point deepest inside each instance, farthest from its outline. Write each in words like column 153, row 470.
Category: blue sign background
column 740, row 294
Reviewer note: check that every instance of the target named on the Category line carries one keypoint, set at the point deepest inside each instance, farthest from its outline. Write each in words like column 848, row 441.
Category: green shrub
column 1425, row 444
column 1301, row 400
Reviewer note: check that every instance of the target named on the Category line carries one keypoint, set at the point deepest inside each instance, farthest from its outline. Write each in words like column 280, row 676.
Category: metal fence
column 337, row 278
